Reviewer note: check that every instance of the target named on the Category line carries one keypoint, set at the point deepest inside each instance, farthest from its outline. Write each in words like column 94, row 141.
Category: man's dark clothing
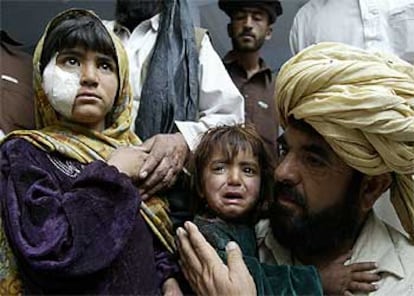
column 16, row 99
column 258, row 92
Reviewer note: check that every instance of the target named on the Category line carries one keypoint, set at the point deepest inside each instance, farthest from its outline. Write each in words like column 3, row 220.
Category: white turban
column 362, row 103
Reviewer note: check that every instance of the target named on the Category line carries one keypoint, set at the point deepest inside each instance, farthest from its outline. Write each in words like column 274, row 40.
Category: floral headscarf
column 79, row 143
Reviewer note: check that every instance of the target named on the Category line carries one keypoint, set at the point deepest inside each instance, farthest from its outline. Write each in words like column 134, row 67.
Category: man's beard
column 243, row 47
column 319, row 233
column 130, row 13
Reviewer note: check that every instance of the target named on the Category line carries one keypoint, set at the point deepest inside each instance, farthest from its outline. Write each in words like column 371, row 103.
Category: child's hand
column 171, row 288
column 340, row 279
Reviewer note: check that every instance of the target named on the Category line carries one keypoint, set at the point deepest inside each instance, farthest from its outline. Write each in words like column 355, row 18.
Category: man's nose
column 288, row 170
column 248, row 22
column 89, row 74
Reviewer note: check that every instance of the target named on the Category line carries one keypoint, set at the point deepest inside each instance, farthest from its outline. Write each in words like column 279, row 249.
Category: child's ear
column 371, row 189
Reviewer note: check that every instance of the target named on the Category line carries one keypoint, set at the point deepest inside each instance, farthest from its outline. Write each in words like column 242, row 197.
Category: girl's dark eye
column 106, row 67
column 218, row 168
column 71, row 62
column 250, row 171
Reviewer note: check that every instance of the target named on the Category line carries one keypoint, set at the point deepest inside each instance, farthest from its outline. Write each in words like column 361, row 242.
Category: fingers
column 167, row 154
column 147, row 145
column 151, row 163
column 168, row 180
column 188, row 258
column 128, row 160
column 161, row 178
column 234, row 257
column 171, row 288
column 367, row 277
column 363, row 266
column 362, row 287
column 202, row 248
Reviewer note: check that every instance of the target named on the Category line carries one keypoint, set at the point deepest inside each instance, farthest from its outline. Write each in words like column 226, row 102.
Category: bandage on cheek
column 61, row 87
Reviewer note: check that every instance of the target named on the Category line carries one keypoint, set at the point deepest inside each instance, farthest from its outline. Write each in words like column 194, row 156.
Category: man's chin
column 283, row 220
column 246, row 48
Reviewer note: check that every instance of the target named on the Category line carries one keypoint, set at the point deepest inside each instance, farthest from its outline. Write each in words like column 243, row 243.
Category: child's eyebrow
column 71, row 51
column 252, row 163
column 218, row 160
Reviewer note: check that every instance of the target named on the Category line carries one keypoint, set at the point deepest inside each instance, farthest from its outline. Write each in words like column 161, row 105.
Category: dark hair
column 85, row 31
column 230, row 140
column 130, row 13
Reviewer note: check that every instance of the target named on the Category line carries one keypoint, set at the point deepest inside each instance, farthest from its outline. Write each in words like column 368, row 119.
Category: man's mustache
column 287, row 190
column 247, row 34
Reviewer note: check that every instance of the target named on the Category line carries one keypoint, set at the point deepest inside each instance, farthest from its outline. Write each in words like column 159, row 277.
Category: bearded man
column 348, row 117
column 250, row 26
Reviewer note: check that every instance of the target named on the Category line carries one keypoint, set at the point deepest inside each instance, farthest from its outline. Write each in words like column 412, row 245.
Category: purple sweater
column 75, row 228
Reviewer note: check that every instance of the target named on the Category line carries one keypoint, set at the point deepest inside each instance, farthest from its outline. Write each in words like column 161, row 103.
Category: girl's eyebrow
column 73, row 51
column 104, row 56
column 217, row 160
column 247, row 162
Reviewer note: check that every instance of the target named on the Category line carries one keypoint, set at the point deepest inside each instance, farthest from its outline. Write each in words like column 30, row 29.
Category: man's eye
column 258, row 17
column 314, row 161
column 239, row 16
column 282, row 150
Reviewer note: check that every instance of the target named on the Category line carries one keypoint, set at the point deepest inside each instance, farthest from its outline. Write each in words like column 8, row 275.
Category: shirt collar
column 230, row 58
column 152, row 23
column 375, row 244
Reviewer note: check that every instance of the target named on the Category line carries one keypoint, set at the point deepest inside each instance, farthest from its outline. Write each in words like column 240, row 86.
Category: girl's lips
column 233, row 195
column 88, row 95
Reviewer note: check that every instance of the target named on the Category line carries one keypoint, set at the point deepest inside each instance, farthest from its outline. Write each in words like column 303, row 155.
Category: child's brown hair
column 230, row 140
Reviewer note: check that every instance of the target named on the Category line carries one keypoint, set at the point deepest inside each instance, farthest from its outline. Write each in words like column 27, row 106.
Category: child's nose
column 234, row 176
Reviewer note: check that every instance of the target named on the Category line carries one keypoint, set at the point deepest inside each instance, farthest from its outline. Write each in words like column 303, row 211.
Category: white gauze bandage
column 61, row 87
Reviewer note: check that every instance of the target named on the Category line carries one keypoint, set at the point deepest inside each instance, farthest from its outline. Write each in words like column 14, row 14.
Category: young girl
column 232, row 178
column 71, row 213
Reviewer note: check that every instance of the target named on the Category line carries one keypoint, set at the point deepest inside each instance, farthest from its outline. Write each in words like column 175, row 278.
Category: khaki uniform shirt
column 258, row 92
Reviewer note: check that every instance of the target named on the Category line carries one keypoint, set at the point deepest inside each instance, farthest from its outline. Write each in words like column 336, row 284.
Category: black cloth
column 16, row 90
column 170, row 91
column 269, row 279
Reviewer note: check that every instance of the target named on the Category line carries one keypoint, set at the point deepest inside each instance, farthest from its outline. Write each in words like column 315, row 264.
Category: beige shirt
column 377, row 242
column 384, row 25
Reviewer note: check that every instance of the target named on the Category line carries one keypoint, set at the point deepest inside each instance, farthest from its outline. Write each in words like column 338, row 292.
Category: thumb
column 235, row 261
column 147, row 145
column 344, row 257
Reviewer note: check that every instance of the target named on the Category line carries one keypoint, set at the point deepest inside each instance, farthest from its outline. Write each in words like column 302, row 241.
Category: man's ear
column 269, row 33
column 371, row 189
column 229, row 30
